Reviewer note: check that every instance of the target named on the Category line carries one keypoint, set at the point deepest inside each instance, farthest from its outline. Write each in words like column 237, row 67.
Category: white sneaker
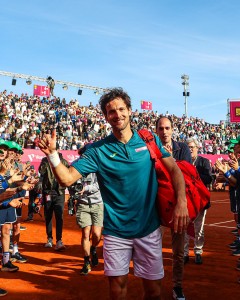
column 60, row 246
column 49, row 243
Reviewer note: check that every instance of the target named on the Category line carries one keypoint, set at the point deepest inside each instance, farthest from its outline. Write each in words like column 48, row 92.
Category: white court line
column 220, row 226
column 221, row 222
column 212, row 225
column 219, row 201
column 222, row 202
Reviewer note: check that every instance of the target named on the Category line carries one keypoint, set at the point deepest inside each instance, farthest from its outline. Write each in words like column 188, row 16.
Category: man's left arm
column 180, row 215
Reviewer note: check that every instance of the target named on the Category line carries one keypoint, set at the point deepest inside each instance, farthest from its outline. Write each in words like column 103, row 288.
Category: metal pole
column 185, row 91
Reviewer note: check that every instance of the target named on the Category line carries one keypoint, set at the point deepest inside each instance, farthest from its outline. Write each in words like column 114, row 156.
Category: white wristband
column 54, row 159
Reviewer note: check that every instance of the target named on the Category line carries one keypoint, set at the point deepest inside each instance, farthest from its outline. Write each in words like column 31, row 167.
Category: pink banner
column 35, row 156
column 146, row 105
column 234, row 111
column 213, row 157
column 40, row 90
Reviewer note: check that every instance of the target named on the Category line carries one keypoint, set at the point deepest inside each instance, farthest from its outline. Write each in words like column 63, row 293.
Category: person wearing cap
column 203, row 167
column 13, row 149
column 89, row 217
column 11, row 201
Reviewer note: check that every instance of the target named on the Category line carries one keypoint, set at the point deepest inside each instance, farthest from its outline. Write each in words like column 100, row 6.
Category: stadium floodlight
column 186, row 93
column 65, row 87
column 29, row 81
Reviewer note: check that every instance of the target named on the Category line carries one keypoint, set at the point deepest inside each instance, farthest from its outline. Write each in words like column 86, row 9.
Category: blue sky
column 142, row 46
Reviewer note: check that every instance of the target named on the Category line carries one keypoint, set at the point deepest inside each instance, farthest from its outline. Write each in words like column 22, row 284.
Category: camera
column 74, row 191
column 78, row 187
column 36, row 207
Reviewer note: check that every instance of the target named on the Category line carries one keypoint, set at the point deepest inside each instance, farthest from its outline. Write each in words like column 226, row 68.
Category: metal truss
column 32, row 78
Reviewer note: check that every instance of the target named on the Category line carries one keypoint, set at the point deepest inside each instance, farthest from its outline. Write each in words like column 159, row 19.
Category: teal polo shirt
column 128, row 184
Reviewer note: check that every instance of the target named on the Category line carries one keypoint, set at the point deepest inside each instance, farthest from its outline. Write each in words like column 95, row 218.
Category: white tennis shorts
column 145, row 252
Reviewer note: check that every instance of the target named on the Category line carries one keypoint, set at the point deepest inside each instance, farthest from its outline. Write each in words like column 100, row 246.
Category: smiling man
column 128, row 185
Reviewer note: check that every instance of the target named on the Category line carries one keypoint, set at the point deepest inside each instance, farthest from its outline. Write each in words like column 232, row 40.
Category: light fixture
column 29, row 81
column 65, row 87
column 14, row 81
column 186, row 93
column 79, row 92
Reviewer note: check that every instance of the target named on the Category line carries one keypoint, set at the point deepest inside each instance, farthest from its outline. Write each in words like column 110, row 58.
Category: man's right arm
column 65, row 176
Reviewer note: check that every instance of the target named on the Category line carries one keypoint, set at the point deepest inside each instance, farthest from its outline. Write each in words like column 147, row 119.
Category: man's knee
column 6, row 229
column 118, row 287
column 96, row 236
column 152, row 289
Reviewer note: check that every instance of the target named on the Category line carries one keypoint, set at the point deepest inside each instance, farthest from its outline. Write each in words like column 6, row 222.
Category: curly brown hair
column 112, row 94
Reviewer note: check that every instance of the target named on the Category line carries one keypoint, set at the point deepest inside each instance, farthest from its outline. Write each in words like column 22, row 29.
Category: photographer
column 89, row 217
column 33, row 205
column 53, row 195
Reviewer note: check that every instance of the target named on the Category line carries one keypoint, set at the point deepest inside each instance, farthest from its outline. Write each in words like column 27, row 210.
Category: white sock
column 15, row 248
column 6, row 256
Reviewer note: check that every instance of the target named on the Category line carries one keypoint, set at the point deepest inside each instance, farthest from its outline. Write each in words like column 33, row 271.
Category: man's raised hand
column 48, row 143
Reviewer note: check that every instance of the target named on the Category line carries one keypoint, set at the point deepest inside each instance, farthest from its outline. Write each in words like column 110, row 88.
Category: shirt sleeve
column 87, row 163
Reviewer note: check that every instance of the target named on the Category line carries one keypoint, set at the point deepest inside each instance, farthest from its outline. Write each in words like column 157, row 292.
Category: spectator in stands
column 89, row 121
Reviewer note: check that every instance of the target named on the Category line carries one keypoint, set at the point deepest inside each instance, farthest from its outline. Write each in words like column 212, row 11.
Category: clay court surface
column 53, row 275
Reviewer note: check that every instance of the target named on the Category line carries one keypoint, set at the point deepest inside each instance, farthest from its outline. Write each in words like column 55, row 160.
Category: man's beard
column 122, row 128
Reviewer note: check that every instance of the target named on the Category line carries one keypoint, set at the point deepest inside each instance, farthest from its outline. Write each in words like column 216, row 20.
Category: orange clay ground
column 53, row 275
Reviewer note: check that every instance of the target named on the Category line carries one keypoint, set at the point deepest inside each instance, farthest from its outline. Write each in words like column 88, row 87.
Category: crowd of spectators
column 24, row 118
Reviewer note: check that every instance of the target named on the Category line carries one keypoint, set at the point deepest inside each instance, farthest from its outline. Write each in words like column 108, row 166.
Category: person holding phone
column 10, row 201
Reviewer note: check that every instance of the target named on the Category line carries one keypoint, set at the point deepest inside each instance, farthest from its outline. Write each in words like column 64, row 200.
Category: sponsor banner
column 146, row 105
column 234, row 109
column 213, row 157
column 40, row 90
column 35, row 156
